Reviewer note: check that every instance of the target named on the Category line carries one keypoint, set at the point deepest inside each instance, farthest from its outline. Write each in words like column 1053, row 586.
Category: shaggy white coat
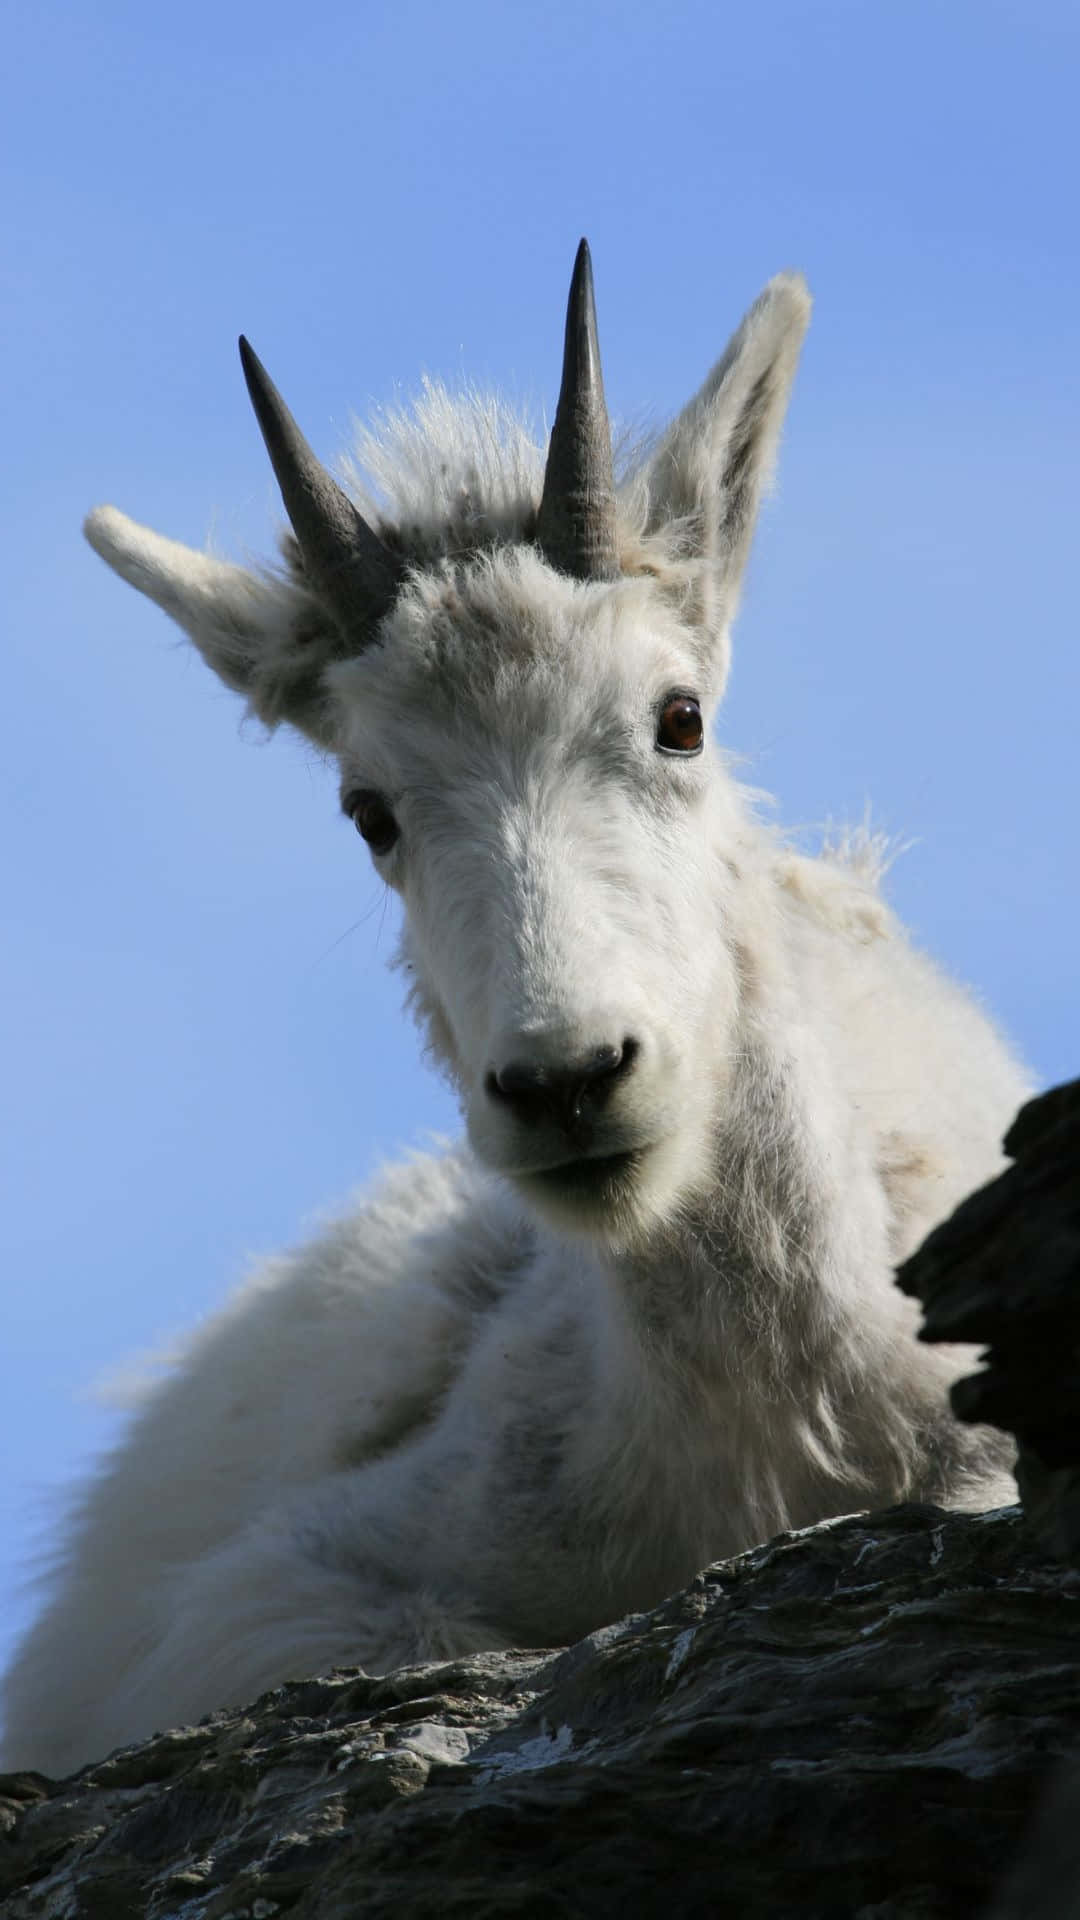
column 512, row 1396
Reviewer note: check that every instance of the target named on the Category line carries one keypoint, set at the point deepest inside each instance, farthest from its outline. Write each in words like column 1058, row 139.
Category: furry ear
column 265, row 637
column 704, row 482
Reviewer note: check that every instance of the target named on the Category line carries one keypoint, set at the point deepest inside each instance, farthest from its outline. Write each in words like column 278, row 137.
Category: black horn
column 575, row 529
column 348, row 565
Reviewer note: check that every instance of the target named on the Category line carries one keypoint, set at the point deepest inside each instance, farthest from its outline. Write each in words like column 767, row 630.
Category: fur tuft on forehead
column 458, row 473
column 451, row 473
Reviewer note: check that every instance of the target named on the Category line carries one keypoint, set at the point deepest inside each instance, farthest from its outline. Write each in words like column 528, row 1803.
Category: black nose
column 563, row 1091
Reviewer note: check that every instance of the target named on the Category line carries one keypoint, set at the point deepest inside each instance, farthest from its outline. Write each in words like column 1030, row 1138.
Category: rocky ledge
column 853, row 1720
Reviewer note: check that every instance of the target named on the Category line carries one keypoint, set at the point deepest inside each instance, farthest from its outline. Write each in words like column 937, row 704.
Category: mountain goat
column 712, row 1096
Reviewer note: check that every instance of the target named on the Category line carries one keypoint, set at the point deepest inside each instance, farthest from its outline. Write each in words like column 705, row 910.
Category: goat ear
column 265, row 638
column 705, row 480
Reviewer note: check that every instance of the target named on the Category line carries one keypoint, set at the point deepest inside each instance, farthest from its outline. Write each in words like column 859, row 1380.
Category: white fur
column 510, row 1397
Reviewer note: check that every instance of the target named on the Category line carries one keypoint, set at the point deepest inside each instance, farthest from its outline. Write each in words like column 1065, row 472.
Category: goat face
column 529, row 761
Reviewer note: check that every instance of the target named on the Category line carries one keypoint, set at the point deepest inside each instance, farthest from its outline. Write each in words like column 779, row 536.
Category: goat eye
column 681, row 728
column 373, row 820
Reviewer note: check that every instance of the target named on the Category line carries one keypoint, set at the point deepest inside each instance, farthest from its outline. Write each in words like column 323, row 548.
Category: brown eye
column 681, row 728
column 372, row 819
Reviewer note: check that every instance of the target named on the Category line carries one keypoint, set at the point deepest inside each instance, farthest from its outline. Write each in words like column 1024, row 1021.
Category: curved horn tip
column 249, row 360
column 270, row 409
column 581, row 304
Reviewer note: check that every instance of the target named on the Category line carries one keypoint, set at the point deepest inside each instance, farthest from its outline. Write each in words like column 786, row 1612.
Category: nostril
column 598, row 1077
column 600, row 1062
column 630, row 1050
column 517, row 1078
column 496, row 1088
column 528, row 1090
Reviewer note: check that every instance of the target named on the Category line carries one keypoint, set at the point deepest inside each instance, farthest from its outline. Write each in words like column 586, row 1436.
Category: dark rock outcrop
column 1004, row 1270
column 857, row 1722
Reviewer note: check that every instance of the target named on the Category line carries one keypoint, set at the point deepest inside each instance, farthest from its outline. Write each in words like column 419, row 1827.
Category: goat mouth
column 591, row 1177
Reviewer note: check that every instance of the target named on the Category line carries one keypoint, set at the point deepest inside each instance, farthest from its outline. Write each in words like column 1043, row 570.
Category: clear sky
column 202, row 1047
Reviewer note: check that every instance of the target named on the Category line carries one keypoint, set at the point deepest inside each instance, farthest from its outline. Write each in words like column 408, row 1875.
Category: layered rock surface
column 855, row 1720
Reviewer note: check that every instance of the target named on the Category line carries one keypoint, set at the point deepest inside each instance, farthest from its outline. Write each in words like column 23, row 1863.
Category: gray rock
column 856, row 1720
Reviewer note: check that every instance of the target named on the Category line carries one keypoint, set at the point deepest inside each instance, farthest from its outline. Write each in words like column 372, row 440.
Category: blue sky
column 202, row 1046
